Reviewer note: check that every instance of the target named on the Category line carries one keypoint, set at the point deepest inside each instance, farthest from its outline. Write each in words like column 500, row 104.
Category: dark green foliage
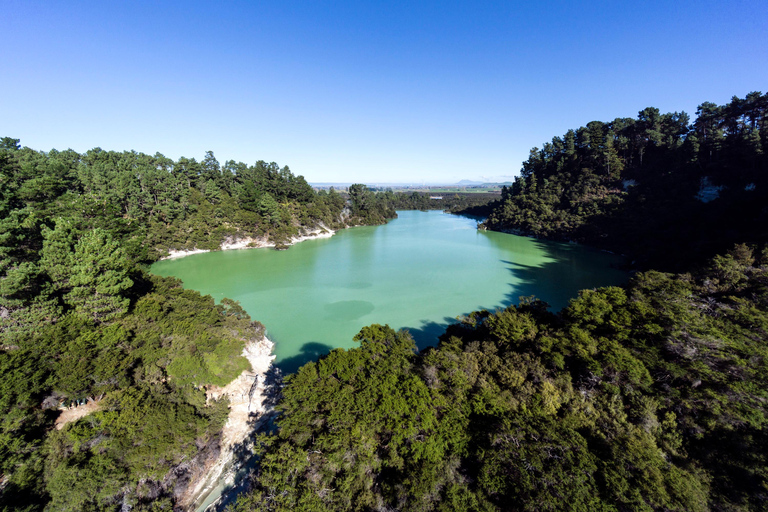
column 150, row 204
column 649, row 398
column 148, row 365
column 643, row 186
column 368, row 207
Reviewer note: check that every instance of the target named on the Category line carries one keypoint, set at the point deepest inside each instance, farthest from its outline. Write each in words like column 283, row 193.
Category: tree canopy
column 645, row 398
column 642, row 186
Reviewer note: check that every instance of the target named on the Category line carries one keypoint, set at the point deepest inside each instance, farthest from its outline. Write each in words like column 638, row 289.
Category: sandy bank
column 252, row 243
column 245, row 393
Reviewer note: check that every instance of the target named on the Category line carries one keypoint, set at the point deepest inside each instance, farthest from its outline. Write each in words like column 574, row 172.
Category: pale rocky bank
column 253, row 243
column 249, row 407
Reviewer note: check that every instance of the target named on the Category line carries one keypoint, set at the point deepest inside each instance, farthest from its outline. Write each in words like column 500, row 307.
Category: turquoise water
column 419, row 272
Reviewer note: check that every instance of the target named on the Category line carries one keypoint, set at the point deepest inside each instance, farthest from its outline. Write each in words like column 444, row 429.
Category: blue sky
column 363, row 91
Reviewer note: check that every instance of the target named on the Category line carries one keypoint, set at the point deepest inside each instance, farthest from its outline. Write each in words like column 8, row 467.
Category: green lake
column 419, row 272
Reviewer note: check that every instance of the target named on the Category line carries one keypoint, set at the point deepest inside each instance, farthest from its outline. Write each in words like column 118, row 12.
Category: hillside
column 85, row 329
column 664, row 191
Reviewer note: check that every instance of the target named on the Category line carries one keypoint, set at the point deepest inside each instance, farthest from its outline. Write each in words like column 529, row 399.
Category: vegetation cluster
column 649, row 397
column 151, row 204
column 146, row 364
column 666, row 192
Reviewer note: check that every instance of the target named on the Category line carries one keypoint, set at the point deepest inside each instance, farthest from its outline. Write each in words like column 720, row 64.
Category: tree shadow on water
column 528, row 280
column 564, row 271
column 310, row 351
column 426, row 335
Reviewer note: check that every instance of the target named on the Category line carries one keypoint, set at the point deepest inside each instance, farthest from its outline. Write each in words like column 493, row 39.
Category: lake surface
column 419, row 272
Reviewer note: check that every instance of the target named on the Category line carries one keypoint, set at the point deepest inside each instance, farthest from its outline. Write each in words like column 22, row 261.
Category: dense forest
column 83, row 322
column 151, row 203
column 648, row 397
column 666, row 192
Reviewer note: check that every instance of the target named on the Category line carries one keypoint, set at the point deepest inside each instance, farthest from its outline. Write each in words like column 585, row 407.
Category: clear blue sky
column 363, row 91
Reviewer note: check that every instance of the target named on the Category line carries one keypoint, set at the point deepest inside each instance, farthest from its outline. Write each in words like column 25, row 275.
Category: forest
column 666, row 192
column 647, row 397
column 82, row 321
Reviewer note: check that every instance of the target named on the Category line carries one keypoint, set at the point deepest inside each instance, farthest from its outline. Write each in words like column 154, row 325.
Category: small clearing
column 71, row 414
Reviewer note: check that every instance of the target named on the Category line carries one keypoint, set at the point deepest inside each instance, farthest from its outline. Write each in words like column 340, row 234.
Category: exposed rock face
column 250, row 395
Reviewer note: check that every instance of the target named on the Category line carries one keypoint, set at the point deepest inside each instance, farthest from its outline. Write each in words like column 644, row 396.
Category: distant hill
column 420, row 185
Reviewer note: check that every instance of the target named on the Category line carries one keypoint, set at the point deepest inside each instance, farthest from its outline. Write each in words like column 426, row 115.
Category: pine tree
column 99, row 277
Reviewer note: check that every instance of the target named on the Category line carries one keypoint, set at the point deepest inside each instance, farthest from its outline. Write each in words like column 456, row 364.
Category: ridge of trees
column 150, row 203
column 642, row 186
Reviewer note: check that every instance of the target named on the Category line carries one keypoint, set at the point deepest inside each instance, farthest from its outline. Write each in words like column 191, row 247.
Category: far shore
column 251, row 243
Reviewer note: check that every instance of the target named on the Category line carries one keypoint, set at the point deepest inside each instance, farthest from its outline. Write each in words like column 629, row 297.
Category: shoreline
column 251, row 243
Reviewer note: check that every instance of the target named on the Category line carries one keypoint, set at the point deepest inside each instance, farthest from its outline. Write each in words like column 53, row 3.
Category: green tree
column 99, row 278
column 9, row 143
column 269, row 208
